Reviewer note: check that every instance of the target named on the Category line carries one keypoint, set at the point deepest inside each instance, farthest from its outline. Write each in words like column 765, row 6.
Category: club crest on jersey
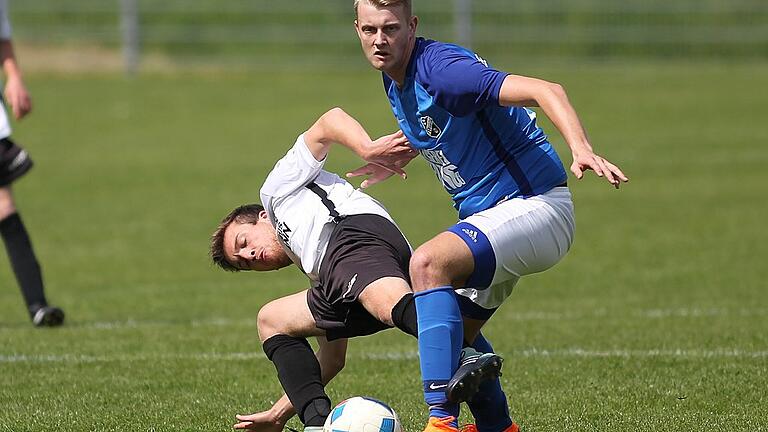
column 429, row 125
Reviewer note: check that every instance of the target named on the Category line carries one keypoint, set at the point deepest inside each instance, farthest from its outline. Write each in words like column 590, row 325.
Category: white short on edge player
column 515, row 238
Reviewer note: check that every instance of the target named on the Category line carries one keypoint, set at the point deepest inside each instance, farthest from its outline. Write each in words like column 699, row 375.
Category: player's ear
column 263, row 215
column 414, row 22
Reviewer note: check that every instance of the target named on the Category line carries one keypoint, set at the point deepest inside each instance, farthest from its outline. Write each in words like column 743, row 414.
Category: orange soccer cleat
column 441, row 425
column 472, row 428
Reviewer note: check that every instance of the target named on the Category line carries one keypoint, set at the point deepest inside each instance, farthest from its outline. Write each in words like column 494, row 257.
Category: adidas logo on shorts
column 471, row 233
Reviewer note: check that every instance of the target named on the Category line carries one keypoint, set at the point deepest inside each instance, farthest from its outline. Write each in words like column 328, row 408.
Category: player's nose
column 380, row 38
column 247, row 253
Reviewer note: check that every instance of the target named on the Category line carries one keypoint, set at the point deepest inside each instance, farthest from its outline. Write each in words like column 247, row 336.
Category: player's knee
column 268, row 322
column 425, row 269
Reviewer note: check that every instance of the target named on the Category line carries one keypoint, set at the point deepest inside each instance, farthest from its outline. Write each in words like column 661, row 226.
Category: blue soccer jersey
column 448, row 107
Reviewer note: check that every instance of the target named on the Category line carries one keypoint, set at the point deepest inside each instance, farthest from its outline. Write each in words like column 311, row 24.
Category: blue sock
column 489, row 406
column 440, row 342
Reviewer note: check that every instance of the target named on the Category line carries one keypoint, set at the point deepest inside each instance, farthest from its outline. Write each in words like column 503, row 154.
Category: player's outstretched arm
column 392, row 151
column 331, row 356
column 551, row 97
column 15, row 92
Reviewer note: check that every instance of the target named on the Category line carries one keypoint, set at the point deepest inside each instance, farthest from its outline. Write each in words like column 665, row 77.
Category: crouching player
column 354, row 255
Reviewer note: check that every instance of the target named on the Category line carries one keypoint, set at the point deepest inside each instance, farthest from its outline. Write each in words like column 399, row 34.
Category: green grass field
column 656, row 321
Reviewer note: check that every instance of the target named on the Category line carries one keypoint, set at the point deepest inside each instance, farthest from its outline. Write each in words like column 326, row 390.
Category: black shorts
column 362, row 249
column 14, row 162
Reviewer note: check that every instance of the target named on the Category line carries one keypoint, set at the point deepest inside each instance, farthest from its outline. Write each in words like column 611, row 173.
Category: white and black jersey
column 5, row 34
column 304, row 203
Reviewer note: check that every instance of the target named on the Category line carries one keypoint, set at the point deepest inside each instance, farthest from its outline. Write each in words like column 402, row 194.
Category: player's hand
column 392, row 152
column 375, row 173
column 601, row 166
column 261, row 422
column 17, row 97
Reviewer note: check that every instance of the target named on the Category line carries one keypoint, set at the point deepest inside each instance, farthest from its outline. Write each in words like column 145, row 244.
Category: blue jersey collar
column 410, row 71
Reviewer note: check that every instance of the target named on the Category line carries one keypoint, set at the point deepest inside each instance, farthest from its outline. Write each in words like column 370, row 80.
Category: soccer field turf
column 657, row 320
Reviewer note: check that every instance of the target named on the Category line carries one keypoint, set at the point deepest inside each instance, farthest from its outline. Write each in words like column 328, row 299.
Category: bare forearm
column 282, row 410
column 336, row 126
column 388, row 154
column 558, row 108
column 8, row 60
column 524, row 91
column 345, row 130
column 551, row 97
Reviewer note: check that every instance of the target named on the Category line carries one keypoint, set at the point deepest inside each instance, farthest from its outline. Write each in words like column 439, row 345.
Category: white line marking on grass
column 580, row 352
column 132, row 324
column 602, row 313
column 679, row 353
column 394, row 356
column 700, row 312
column 514, row 315
column 82, row 358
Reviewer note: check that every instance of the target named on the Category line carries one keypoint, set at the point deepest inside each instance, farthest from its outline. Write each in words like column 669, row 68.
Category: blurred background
column 152, row 119
column 146, row 34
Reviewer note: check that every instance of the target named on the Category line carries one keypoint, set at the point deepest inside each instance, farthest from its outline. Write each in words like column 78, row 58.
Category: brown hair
column 386, row 3
column 248, row 213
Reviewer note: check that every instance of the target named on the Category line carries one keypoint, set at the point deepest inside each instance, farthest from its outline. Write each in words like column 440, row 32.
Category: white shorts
column 515, row 238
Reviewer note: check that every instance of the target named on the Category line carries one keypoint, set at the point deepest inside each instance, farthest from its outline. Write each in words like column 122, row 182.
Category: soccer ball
column 362, row 414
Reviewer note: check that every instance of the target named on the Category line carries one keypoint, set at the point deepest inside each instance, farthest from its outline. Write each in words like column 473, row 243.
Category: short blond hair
column 386, row 3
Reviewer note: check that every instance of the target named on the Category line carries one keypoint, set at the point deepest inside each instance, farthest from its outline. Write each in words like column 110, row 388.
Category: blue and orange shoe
column 441, row 424
column 472, row 428
column 474, row 369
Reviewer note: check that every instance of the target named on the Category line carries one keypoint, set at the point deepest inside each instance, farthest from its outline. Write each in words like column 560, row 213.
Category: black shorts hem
column 14, row 162
column 362, row 249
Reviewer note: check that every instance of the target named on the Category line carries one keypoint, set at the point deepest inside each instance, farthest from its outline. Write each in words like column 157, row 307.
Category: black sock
column 23, row 261
column 404, row 315
column 299, row 374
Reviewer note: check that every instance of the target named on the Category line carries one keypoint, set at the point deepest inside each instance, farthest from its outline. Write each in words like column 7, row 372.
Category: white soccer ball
column 362, row 414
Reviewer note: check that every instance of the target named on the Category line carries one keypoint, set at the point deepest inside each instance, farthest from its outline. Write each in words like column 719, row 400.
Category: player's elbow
column 333, row 112
column 327, row 121
column 556, row 90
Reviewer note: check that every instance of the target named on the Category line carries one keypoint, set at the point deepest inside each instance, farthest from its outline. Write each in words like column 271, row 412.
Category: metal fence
column 320, row 32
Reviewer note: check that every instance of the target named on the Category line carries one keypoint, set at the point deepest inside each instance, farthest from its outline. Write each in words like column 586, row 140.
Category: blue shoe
column 474, row 369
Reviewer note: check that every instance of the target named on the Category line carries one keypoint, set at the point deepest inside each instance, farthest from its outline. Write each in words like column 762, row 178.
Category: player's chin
column 377, row 62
